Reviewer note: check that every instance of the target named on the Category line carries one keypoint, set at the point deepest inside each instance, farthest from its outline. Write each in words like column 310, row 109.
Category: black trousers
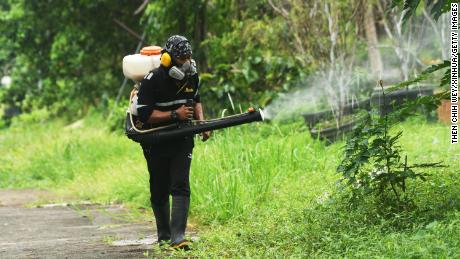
column 169, row 169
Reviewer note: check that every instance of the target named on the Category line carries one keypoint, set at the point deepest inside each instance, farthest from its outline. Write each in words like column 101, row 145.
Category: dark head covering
column 178, row 46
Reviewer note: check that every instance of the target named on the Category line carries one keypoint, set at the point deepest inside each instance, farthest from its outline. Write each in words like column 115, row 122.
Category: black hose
column 185, row 129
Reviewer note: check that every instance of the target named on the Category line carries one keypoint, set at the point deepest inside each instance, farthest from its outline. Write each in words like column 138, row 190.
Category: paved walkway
column 69, row 231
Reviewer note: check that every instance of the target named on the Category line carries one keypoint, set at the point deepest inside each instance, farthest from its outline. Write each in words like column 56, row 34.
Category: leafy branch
column 438, row 7
column 425, row 75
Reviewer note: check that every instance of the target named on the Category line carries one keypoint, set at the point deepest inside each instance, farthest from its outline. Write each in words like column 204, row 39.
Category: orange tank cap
column 151, row 50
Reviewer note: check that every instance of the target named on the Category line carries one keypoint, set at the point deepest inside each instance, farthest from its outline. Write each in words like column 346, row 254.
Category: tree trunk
column 372, row 41
column 200, row 33
column 182, row 20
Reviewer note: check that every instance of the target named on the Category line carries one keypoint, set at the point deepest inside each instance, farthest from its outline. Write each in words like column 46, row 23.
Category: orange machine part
column 151, row 50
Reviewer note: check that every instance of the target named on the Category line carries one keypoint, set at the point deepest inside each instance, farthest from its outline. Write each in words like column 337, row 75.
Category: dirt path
column 69, row 231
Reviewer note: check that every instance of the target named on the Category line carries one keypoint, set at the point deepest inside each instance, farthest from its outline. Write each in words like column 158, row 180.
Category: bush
column 34, row 117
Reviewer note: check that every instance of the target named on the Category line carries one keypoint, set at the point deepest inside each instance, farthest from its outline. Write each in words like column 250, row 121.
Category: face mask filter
column 179, row 73
column 176, row 73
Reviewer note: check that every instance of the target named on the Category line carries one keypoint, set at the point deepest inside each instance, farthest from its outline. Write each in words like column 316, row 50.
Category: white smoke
column 338, row 84
column 328, row 89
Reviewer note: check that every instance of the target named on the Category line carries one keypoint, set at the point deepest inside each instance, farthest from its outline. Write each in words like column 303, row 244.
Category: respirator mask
column 186, row 69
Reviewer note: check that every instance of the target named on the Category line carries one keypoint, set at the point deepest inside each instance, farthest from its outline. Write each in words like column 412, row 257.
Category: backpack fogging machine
column 136, row 67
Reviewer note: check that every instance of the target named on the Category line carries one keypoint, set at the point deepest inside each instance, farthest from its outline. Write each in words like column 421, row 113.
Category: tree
column 372, row 41
column 64, row 55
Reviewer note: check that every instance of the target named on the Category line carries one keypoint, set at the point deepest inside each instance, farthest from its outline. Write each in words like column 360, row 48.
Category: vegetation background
column 275, row 191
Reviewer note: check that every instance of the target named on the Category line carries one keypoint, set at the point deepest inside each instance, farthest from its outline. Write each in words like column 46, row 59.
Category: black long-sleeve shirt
column 161, row 92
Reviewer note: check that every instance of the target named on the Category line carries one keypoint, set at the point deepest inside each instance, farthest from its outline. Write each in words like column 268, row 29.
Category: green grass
column 259, row 190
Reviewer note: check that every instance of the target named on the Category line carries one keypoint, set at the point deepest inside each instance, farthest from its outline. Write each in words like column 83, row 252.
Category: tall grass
column 234, row 170
column 257, row 190
column 87, row 161
column 242, row 167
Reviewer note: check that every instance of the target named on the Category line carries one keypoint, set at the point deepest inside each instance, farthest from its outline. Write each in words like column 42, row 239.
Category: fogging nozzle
column 262, row 114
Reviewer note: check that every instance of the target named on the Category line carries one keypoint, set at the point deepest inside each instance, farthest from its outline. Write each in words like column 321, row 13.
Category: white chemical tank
column 136, row 66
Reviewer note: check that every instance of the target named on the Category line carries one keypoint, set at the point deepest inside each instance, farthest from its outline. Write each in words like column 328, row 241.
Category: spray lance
column 190, row 127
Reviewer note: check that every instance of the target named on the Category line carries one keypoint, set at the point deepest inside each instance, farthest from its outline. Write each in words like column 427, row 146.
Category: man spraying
column 169, row 94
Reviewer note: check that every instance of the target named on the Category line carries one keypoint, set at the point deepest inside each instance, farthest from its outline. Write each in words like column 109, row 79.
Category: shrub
column 373, row 162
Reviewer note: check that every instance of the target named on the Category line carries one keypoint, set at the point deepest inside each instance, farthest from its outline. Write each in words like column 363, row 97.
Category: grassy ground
column 258, row 190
